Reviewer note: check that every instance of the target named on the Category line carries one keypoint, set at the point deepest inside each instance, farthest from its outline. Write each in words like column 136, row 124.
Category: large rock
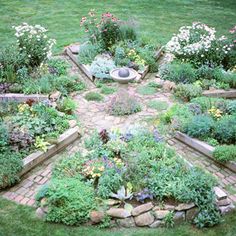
column 220, row 194
column 96, row 216
column 166, row 207
column 156, row 224
column 223, row 202
column 142, row 208
column 226, row 209
column 184, row 206
column 144, row 219
column 161, row 214
column 118, row 213
column 127, row 223
column 191, row 213
column 54, row 96
column 40, row 213
column 72, row 123
column 179, row 217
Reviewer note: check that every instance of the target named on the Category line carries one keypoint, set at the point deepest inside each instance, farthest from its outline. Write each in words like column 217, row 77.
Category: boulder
column 96, row 216
column 184, row 206
column 54, row 96
column 142, row 208
column 118, row 213
column 191, row 213
column 156, row 224
column 161, row 214
column 226, row 209
column 220, row 194
column 40, row 213
column 223, row 202
column 144, row 219
column 127, row 223
column 72, row 123
column 179, row 217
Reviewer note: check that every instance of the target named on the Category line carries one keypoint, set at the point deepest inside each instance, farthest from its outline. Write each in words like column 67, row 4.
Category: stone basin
column 123, row 80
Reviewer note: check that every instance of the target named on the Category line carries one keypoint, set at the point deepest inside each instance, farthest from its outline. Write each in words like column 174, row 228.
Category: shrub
column 120, row 56
column 101, row 67
column 127, row 31
column 123, row 104
column 33, row 41
column 199, row 45
column 187, row 91
column 199, row 126
column 69, row 201
column 178, row 73
column 93, row 96
column 11, row 164
column 57, row 66
column 88, row 52
column 225, row 153
column 231, row 107
column 67, row 105
column 3, row 136
column 225, row 129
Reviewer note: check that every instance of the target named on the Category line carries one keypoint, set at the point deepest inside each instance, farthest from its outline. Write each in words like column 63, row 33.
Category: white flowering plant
column 34, row 42
column 199, row 45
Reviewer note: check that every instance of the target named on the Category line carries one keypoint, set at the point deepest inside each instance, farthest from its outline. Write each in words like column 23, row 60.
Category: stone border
column 63, row 141
column 231, row 93
column 18, row 97
column 204, row 148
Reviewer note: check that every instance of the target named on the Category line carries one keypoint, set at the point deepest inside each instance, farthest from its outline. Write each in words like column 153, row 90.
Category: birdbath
column 123, row 75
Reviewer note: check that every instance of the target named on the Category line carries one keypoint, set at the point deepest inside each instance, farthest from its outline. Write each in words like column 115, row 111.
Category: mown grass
column 18, row 220
column 157, row 19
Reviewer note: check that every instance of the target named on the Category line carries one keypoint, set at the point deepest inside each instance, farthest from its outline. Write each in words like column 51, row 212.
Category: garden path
column 93, row 116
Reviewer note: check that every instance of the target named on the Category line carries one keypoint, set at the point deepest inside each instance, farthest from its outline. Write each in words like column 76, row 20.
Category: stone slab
column 18, row 97
column 220, row 93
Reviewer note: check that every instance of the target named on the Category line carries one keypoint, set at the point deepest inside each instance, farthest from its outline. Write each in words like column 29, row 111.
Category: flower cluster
column 198, row 43
column 34, row 42
column 216, row 113
column 93, row 168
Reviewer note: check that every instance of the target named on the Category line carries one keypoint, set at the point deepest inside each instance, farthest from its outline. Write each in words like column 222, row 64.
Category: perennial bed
column 118, row 179
column 26, row 128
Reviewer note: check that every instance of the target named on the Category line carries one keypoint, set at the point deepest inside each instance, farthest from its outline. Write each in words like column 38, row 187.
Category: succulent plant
column 122, row 194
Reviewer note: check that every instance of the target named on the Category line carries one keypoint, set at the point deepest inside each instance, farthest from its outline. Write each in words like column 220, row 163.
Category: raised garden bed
column 72, row 52
column 62, row 142
column 204, row 148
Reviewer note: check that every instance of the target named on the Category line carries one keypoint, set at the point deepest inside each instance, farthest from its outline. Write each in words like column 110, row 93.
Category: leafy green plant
column 69, row 201
column 199, row 126
column 41, row 144
column 108, row 90
column 225, row 153
column 157, row 105
column 146, row 90
column 101, row 67
column 67, row 105
column 178, row 73
column 11, row 165
column 169, row 220
column 187, row 91
column 88, row 52
column 93, row 96
column 57, row 66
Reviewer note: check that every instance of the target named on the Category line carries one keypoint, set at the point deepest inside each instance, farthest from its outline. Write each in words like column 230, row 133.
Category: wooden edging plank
column 203, row 148
column 220, row 93
column 18, row 97
column 36, row 158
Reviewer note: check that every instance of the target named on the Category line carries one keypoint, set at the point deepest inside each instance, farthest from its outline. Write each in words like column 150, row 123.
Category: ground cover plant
column 113, row 43
column 157, row 105
column 209, row 119
column 117, row 167
column 24, row 128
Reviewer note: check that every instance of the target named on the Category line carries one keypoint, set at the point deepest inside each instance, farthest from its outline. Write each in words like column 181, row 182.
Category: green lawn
column 157, row 19
column 17, row 220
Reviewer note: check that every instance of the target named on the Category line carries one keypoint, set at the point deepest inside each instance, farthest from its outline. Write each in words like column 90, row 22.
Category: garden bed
column 204, row 148
column 72, row 52
column 62, row 142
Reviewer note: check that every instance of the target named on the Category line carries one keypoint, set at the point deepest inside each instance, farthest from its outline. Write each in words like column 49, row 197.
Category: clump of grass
column 146, row 90
column 93, row 96
column 108, row 90
column 157, row 105
column 154, row 84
